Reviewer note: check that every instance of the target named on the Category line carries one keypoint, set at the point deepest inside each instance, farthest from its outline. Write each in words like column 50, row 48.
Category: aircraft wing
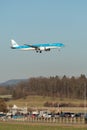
column 36, row 47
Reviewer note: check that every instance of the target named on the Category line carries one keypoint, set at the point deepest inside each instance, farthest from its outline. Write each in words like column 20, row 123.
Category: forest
column 54, row 86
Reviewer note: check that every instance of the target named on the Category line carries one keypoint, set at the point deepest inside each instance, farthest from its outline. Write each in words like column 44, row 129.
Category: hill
column 12, row 82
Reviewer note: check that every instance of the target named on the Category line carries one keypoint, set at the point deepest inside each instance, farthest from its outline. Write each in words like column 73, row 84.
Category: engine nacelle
column 44, row 49
column 47, row 49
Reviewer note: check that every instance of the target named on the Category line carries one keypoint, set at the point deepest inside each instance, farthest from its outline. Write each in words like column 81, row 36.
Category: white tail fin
column 14, row 44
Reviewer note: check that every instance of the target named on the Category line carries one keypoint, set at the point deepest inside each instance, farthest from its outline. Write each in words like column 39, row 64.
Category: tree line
column 64, row 87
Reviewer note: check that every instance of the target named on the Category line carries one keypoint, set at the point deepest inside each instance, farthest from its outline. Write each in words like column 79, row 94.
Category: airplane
column 37, row 47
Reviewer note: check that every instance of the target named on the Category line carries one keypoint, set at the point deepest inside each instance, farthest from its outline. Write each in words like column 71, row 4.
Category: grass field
column 10, row 126
column 38, row 102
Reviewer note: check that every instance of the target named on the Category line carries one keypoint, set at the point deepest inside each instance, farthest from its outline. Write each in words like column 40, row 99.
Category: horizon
column 19, row 80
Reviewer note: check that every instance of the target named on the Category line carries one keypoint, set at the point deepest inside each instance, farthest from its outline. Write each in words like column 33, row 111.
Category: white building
column 14, row 110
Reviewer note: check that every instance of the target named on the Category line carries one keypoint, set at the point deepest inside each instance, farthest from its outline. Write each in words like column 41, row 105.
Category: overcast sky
column 43, row 21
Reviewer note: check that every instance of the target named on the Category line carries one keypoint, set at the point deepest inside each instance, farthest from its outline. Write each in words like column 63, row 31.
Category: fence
column 59, row 120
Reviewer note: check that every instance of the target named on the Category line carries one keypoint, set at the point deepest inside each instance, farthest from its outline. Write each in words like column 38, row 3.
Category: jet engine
column 44, row 49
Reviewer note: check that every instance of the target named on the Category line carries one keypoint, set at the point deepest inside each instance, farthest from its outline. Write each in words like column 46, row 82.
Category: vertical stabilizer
column 13, row 44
